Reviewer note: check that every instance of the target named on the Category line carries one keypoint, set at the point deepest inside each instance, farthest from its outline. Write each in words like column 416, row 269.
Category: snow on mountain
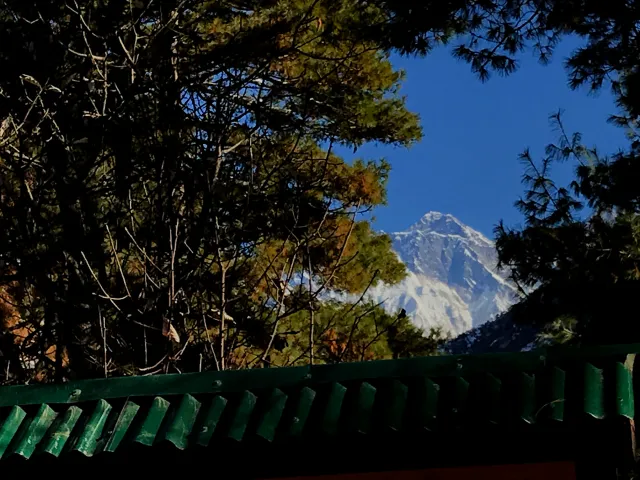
column 452, row 278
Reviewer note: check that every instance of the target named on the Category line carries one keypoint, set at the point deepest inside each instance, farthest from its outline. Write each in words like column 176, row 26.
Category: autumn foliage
column 172, row 198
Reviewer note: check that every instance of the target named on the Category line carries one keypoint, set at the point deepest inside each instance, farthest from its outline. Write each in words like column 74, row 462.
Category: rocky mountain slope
column 499, row 335
column 452, row 282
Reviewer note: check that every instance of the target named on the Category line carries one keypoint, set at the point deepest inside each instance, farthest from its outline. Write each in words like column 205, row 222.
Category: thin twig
column 104, row 341
column 279, row 302
column 146, row 369
column 95, row 277
column 142, row 251
column 311, row 310
column 341, row 254
column 115, row 254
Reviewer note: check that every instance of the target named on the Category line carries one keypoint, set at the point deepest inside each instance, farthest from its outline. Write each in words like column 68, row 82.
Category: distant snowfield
column 452, row 279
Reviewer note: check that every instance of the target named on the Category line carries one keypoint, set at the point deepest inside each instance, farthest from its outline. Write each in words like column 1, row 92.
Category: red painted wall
column 538, row 471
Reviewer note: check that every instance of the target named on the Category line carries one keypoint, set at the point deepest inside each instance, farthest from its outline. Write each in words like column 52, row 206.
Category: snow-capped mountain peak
column 436, row 223
column 452, row 277
column 443, row 222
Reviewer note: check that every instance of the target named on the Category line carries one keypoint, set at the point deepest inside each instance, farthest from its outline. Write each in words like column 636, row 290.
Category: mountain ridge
column 452, row 281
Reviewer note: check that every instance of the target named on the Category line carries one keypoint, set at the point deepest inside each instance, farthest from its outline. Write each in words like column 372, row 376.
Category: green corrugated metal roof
column 545, row 389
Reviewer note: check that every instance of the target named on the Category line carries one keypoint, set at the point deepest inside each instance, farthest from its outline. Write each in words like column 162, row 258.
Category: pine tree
column 345, row 332
column 579, row 270
column 576, row 257
column 170, row 194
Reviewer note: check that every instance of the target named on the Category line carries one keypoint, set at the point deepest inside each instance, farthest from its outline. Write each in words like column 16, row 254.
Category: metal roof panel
column 542, row 390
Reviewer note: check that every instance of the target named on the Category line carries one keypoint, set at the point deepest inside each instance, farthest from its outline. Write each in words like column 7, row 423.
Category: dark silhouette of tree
column 577, row 254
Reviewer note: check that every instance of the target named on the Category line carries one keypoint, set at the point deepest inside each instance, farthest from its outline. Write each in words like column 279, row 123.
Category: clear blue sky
column 467, row 163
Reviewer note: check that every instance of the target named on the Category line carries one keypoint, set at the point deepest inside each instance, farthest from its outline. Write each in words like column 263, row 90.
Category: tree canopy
column 171, row 197
column 576, row 256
